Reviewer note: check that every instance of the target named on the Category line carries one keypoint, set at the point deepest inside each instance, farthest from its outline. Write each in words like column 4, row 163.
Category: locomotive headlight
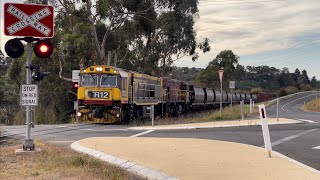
column 117, row 115
column 79, row 114
column 99, row 68
column 115, row 71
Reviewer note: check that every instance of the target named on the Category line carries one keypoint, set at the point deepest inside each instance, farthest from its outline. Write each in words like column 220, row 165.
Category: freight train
column 109, row 94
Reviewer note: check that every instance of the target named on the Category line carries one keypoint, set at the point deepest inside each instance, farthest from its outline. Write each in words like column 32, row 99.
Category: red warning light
column 43, row 49
column 75, row 85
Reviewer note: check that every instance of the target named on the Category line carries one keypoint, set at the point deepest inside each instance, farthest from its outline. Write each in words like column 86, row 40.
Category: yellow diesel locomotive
column 105, row 94
column 108, row 94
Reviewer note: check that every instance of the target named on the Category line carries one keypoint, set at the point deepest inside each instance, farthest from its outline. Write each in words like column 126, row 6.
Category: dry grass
column 312, row 106
column 228, row 113
column 233, row 113
column 55, row 163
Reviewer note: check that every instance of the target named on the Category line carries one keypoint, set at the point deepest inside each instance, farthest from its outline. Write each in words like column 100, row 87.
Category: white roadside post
column 220, row 71
column 152, row 114
column 241, row 108
column 232, row 85
column 265, row 129
column 251, row 108
column 278, row 109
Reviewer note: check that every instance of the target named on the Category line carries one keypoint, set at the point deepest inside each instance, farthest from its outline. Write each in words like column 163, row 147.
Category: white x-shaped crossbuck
column 29, row 20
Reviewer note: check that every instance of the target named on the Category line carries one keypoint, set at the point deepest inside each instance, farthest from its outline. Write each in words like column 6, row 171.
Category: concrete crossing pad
column 199, row 159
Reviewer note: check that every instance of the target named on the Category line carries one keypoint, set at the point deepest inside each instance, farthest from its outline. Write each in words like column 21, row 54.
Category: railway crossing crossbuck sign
column 28, row 20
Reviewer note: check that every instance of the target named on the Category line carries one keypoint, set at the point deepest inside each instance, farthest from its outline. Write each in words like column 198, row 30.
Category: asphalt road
column 297, row 141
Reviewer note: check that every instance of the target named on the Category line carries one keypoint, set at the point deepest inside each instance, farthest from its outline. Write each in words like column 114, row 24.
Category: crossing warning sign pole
column 28, row 21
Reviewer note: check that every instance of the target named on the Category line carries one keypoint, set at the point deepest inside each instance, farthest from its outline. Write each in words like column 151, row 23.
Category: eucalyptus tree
column 150, row 30
column 225, row 59
column 304, row 77
column 286, row 78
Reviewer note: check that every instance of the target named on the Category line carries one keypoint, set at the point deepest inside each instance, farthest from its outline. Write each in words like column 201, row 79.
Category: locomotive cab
column 101, row 92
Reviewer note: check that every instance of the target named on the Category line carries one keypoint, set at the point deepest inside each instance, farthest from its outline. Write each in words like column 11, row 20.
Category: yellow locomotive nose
column 99, row 95
column 101, row 91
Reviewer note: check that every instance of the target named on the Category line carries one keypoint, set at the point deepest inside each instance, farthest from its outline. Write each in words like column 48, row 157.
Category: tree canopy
column 141, row 35
column 268, row 79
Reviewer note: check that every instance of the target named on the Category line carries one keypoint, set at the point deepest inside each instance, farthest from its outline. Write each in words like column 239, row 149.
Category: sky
column 278, row 33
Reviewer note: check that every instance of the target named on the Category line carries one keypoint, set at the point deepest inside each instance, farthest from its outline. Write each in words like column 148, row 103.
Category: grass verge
column 311, row 106
column 228, row 113
column 56, row 163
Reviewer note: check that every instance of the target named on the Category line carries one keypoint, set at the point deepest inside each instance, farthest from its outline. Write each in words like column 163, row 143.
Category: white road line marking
column 143, row 133
column 62, row 126
column 306, row 120
column 296, row 100
column 104, row 130
column 98, row 130
column 61, row 141
column 317, row 147
column 289, row 138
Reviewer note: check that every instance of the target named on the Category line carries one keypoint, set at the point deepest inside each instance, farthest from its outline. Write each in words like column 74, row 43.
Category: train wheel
column 125, row 115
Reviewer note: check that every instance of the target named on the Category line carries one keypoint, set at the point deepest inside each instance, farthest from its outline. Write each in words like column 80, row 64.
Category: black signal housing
column 14, row 48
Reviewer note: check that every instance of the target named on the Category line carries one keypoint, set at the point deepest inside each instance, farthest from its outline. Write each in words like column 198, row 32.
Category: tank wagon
column 108, row 94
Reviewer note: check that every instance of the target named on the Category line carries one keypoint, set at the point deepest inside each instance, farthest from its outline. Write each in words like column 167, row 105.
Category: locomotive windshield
column 108, row 81
column 89, row 80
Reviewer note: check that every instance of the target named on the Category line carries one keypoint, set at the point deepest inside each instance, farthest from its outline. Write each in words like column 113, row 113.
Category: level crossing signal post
column 43, row 49
column 29, row 21
column 32, row 72
column 75, row 86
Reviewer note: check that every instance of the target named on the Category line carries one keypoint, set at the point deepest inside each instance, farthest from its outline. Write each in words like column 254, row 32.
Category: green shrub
column 291, row 90
column 306, row 87
column 78, row 161
column 256, row 90
column 282, row 92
